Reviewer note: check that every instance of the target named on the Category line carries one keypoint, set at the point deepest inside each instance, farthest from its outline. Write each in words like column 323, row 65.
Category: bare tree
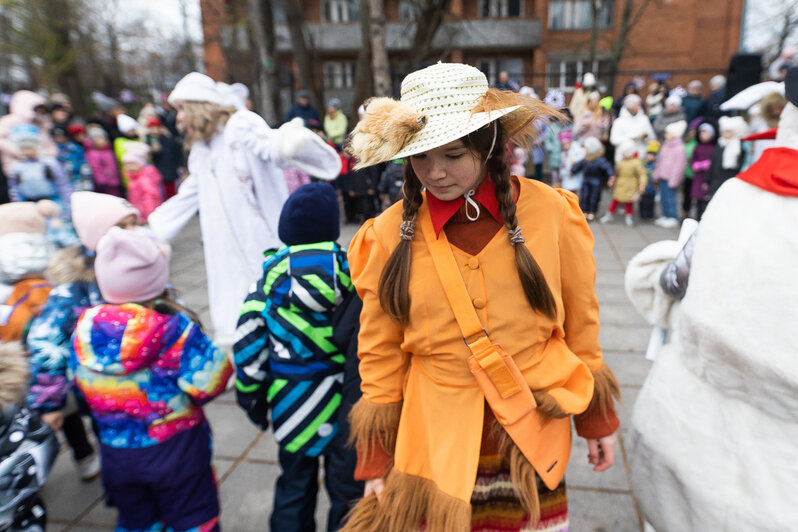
column 429, row 18
column 261, row 26
column 379, row 55
column 788, row 19
column 629, row 19
column 364, row 81
column 302, row 54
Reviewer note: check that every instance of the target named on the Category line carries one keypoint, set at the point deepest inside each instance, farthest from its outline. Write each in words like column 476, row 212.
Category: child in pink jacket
column 102, row 161
column 669, row 172
column 144, row 188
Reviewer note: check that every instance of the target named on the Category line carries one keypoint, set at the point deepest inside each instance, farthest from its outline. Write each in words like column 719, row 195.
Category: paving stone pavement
column 246, row 459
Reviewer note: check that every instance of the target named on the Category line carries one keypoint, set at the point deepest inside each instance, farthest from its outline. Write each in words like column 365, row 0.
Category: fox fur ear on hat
column 385, row 129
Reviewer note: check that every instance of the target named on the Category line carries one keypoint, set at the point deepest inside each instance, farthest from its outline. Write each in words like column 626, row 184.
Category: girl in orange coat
column 435, row 455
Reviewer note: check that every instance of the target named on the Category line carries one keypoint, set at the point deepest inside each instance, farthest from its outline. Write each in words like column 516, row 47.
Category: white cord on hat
column 469, row 201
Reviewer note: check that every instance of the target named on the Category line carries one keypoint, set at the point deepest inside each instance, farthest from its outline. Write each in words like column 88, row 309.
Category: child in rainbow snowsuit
column 145, row 368
column 286, row 361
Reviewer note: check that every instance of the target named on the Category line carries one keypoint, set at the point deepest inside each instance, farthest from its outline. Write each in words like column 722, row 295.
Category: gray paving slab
column 580, row 473
column 624, row 338
column 232, row 431
column 601, row 511
column 630, row 369
column 620, row 313
column 65, row 495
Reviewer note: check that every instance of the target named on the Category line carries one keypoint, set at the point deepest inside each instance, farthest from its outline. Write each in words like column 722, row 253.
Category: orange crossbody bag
column 545, row 442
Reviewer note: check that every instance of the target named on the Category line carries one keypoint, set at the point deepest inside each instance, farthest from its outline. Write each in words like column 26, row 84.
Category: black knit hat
column 310, row 215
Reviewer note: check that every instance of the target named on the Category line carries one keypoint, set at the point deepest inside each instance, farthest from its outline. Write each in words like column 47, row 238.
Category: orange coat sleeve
column 383, row 365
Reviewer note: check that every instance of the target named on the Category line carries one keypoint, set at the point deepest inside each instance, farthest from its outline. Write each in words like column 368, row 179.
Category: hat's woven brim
column 443, row 128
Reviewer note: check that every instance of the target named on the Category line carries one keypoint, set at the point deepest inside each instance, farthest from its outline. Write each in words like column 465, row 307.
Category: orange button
column 478, row 302
column 473, row 263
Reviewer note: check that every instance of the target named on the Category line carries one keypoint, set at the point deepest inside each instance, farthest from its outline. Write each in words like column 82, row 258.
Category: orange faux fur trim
column 605, row 389
column 385, row 128
column 522, row 474
column 521, row 124
column 374, row 424
column 407, row 503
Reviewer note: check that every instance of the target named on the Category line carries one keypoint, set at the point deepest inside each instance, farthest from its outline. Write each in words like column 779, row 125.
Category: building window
column 340, row 10
column 408, row 10
column 339, row 74
column 491, row 68
column 578, row 14
column 564, row 74
column 499, row 8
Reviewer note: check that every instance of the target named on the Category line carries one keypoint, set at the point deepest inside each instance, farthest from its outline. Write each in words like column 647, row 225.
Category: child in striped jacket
column 286, row 362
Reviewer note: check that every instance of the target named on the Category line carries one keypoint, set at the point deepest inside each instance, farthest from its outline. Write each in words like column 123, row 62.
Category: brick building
column 541, row 43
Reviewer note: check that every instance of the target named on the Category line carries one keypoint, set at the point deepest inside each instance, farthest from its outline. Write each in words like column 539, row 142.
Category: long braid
column 395, row 278
column 533, row 281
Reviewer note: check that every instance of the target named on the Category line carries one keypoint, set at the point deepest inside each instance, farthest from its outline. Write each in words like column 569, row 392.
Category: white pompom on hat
column 195, row 87
column 628, row 148
column 234, row 95
column 136, row 152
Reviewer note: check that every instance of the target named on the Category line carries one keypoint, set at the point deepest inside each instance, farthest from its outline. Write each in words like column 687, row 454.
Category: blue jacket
column 283, row 350
column 597, row 169
column 49, row 338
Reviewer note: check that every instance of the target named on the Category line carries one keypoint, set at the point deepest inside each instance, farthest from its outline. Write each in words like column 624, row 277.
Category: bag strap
column 474, row 334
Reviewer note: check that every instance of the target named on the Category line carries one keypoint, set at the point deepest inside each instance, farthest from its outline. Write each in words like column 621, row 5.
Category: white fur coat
column 714, row 436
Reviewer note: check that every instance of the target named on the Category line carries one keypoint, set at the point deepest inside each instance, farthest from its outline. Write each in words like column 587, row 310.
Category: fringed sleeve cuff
column 600, row 418
column 373, row 428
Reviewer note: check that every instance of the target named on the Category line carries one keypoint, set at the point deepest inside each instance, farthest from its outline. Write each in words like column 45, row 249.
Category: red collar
column 774, row 172
column 442, row 211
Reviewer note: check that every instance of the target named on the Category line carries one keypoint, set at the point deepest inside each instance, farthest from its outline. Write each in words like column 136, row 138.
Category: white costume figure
column 714, row 429
column 236, row 182
column 634, row 126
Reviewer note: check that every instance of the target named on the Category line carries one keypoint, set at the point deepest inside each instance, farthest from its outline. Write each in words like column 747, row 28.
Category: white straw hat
column 439, row 104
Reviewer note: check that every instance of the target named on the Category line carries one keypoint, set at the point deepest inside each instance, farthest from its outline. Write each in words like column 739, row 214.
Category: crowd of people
column 433, row 405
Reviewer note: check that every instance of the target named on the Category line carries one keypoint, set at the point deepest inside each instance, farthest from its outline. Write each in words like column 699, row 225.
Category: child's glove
column 255, row 404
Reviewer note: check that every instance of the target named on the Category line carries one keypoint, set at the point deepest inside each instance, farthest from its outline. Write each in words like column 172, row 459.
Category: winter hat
column 653, row 147
column 592, row 145
column 555, row 98
column 75, row 129
column 632, row 99
column 628, row 148
column 302, row 94
column 93, row 214
column 736, row 124
column 565, row 136
column 528, row 91
column 234, row 95
column 695, row 84
column 310, row 215
column 136, row 152
column 130, row 266
column 674, row 99
column 58, row 130
column 679, row 91
column 334, row 102
column 126, row 124
column 195, row 87
column 676, row 129
column 55, row 106
column 589, row 80
column 717, row 82
column 154, row 122
column 104, row 103
column 25, row 135
column 96, row 131
column 26, row 216
column 709, row 128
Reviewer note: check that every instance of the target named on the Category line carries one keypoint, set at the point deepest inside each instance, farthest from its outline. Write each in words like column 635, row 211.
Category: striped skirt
column 496, row 508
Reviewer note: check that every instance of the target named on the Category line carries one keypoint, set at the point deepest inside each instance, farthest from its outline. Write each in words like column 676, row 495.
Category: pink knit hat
column 93, row 214
column 130, row 266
